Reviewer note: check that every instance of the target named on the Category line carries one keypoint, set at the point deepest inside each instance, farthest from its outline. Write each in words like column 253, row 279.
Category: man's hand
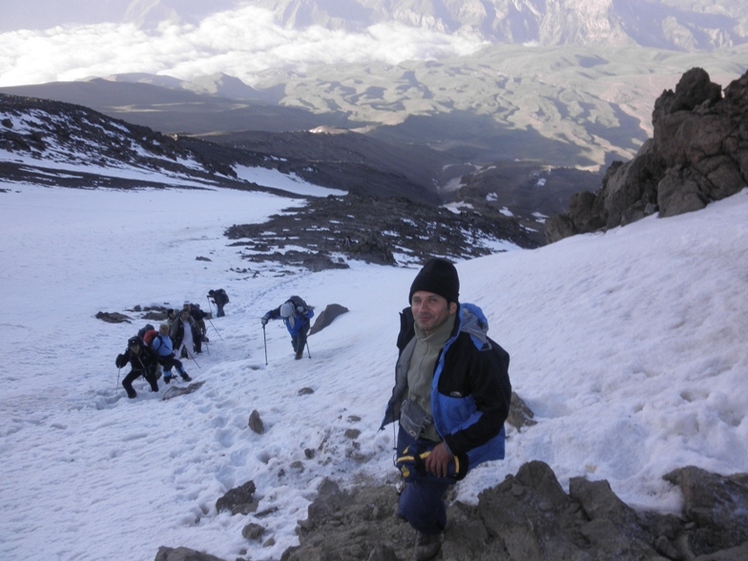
column 437, row 462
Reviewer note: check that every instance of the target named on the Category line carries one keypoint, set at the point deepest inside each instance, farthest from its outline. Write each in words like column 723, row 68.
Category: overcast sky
column 239, row 42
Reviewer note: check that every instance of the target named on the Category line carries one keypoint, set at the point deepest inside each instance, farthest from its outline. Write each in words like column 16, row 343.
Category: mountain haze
column 565, row 82
column 562, row 107
column 668, row 24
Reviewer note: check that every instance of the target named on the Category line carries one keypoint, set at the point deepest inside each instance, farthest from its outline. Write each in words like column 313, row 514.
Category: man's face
column 135, row 349
column 430, row 310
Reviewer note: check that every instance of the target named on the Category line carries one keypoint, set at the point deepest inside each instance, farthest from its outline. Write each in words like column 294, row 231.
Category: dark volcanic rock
column 238, row 500
column 326, row 317
column 529, row 517
column 255, row 422
column 183, row 554
column 335, row 229
column 356, row 163
column 113, row 317
column 520, row 415
column 80, row 136
column 699, row 154
column 529, row 190
column 717, row 504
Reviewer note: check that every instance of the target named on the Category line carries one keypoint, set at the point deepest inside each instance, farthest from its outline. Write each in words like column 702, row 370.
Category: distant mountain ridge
column 563, row 106
column 667, row 24
column 684, row 25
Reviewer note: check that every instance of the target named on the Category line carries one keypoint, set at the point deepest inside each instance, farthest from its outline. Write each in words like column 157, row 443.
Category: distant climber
column 296, row 315
column 220, row 299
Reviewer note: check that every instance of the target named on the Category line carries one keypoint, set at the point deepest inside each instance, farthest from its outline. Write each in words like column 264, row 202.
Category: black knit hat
column 438, row 276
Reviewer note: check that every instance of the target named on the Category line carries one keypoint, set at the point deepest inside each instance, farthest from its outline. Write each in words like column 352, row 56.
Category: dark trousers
column 133, row 374
column 299, row 340
column 422, row 500
column 219, row 313
column 169, row 362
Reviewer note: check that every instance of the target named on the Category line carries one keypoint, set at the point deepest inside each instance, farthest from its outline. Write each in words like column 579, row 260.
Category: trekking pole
column 214, row 327
column 118, row 372
column 210, row 304
column 194, row 359
column 307, row 349
column 265, row 343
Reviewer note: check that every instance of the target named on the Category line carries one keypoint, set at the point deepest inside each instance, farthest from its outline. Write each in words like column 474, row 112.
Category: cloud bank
column 242, row 43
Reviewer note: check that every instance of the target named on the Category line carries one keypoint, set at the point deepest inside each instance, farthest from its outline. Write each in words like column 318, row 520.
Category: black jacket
column 220, row 298
column 145, row 361
column 474, row 391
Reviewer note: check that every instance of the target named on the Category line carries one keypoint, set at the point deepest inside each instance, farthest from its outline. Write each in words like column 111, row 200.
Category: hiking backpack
column 297, row 302
column 149, row 336
column 143, row 330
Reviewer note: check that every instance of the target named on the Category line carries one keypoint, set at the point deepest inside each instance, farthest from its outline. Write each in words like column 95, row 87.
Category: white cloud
column 240, row 42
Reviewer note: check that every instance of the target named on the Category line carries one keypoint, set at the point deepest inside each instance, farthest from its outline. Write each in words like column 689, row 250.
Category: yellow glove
column 414, row 465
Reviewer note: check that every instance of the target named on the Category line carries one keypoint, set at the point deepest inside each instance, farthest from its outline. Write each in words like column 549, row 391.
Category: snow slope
column 629, row 346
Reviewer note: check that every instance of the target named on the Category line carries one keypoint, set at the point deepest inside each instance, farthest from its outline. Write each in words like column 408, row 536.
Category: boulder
column 326, row 317
column 520, row 415
column 113, row 317
column 183, row 554
column 255, row 422
column 718, row 507
column 238, row 500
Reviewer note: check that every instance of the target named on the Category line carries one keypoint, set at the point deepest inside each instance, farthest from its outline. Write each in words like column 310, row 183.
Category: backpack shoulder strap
column 407, row 329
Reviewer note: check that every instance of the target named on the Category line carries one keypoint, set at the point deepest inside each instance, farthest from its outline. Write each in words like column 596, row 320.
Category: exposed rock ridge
column 390, row 231
column 699, row 154
column 528, row 517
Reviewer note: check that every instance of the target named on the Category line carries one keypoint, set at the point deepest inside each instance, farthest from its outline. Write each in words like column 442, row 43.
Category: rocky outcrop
column 529, row 517
column 333, row 230
column 113, row 317
column 183, row 554
column 699, row 153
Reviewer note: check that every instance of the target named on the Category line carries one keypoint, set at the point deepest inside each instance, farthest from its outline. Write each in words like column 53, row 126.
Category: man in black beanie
column 451, row 398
